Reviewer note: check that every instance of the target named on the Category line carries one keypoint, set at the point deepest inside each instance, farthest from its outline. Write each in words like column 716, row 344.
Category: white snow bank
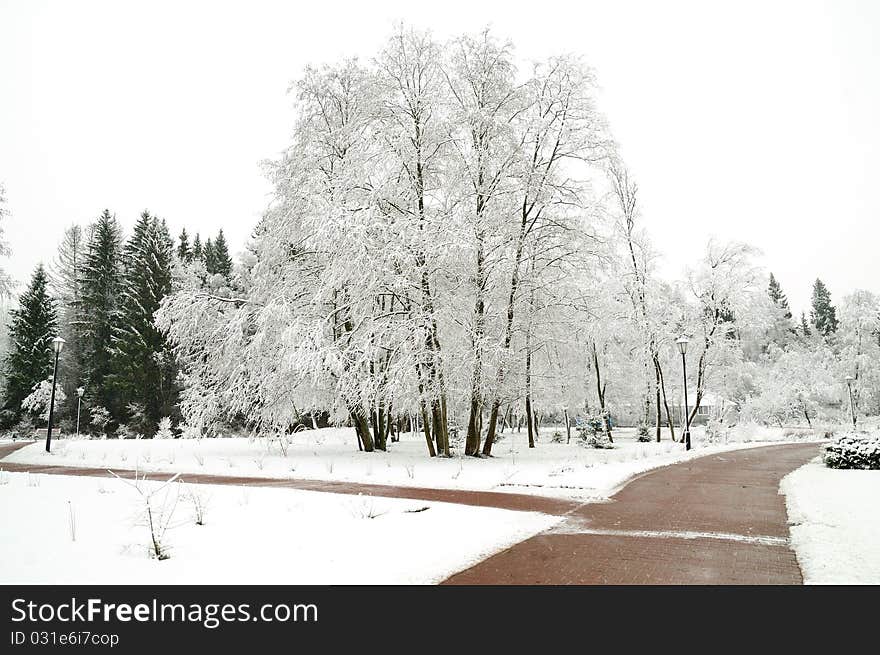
column 555, row 469
column 835, row 523
column 250, row 536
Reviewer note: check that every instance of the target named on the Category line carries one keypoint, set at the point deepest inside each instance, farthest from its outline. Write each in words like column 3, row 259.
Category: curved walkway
column 717, row 519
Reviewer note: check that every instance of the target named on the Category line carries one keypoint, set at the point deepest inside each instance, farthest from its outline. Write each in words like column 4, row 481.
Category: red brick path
column 654, row 530
column 718, row 519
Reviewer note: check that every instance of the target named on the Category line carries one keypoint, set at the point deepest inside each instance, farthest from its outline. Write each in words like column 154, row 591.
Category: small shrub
column 126, row 432
column 853, row 450
column 716, row 432
column 165, row 431
column 643, row 434
column 592, row 433
column 557, row 437
column 198, row 500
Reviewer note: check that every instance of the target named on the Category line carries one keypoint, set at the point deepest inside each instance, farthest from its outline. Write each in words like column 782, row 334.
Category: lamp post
column 852, row 406
column 57, row 346
column 79, row 392
column 682, row 343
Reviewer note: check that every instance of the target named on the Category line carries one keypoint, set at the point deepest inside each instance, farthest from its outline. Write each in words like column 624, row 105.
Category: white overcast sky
column 757, row 121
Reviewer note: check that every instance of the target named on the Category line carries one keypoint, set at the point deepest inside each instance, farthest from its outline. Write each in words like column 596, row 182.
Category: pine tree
column 198, row 252
column 144, row 367
column 34, row 324
column 778, row 297
column 66, row 280
column 100, row 296
column 823, row 314
column 222, row 260
column 210, row 258
column 184, row 253
column 805, row 326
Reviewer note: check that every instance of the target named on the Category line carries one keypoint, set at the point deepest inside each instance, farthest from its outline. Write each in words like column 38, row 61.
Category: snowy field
column 556, row 469
column 835, row 529
column 250, row 535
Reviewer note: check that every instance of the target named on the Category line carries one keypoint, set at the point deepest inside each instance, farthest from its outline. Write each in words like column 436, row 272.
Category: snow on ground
column 250, row 535
column 557, row 469
column 835, row 524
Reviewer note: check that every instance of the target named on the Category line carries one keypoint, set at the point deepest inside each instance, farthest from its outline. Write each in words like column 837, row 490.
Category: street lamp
column 57, row 346
column 852, row 406
column 79, row 392
column 682, row 343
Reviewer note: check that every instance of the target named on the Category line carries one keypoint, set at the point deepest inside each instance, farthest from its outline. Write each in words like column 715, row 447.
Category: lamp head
column 849, row 380
column 682, row 343
column 80, row 391
column 58, row 345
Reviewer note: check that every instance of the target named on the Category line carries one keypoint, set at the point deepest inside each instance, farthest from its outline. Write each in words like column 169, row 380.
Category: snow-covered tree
column 823, row 315
column 725, row 287
column 66, row 282
column 36, row 404
column 100, row 288
column 33, row 326
column 860, row 347
column 144, row 368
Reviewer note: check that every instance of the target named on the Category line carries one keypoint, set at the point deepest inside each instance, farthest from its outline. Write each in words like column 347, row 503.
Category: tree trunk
column 490, row 435
column 426, row 425
column 362, row 428
column 567, row 425
column 529, row 415
column 530, row 422
column 658, row 418
column 670, row 420
column 472, row 444
column 600, row 390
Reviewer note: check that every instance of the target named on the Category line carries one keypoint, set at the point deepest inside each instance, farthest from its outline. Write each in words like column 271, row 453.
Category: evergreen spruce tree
column 210, row 257
column 823, row 314
column 33, row 326
column 184, row 252
column 778, row 297
column 198, row 252
column 144, row 376
column 101, row 280
column 66, row 280
column 222, row 260
column 805, row 326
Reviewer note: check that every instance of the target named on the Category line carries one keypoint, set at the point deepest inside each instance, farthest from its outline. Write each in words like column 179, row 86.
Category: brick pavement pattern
column 718, row 519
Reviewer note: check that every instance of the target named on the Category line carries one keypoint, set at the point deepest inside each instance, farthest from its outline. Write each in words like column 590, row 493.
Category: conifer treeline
column 100, row 295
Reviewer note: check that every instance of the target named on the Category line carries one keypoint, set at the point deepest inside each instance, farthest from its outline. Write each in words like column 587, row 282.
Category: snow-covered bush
column 190, row 432
column 99, row 417
column 127, row 432
column 557, row 437
column 716, row 431
column 643, row 434
column 155, row 510
column 198, row 499
column 854, row 450
column 593, row 433
column 37, row 403
column 164, row 431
